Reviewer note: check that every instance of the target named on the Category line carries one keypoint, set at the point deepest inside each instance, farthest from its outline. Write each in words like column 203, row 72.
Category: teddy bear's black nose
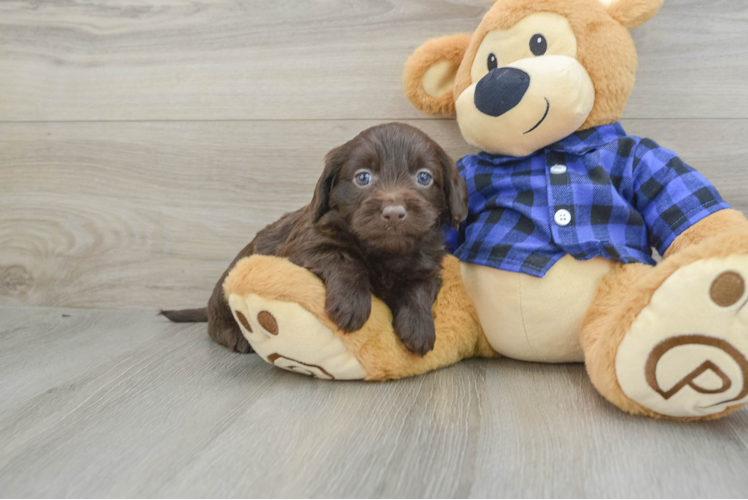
column 501, row 90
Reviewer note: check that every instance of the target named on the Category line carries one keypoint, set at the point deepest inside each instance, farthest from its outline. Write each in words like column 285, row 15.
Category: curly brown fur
column 371, row 228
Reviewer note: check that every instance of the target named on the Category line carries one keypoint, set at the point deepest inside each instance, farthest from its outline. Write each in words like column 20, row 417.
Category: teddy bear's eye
column 538, row 45
column 493, row 63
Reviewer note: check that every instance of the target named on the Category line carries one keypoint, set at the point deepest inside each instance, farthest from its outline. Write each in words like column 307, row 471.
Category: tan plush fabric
column 605, row 50
column 633, row 13
column 458, row 334
column 275, row 278
column 535, row 319
column 447, row 49
column 376, row 347
column 555, row 105
column 288, row 336
column 626, row 291
column 716, row 224
column 686, row 353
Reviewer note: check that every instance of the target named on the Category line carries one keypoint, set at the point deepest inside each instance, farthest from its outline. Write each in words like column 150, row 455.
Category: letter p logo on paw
column 686, row 354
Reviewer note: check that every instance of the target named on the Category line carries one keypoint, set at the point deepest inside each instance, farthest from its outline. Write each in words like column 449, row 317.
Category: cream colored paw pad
column 288, row 336
column 686, row 354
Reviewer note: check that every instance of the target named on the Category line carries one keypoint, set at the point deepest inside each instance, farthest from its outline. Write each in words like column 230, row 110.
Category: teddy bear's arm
column 671, row 196
column 280, row 308
column 719, row 223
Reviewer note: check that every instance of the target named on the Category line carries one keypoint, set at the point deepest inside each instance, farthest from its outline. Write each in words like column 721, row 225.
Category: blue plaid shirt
column 598, row 192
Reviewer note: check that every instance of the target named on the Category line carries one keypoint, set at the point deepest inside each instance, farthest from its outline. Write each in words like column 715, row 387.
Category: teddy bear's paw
column 686, row 354
column 288, row 336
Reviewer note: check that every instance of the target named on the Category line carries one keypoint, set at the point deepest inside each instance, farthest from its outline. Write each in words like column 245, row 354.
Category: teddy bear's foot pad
column 290, row 337
column 686, row 354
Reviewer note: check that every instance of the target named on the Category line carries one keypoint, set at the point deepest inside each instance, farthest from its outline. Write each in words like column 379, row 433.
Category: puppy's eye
column 363, row 177
column 493, row 63
column 424, row 178
column 538, row 45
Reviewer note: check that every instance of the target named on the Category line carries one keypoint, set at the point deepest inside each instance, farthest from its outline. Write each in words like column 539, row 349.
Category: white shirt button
column 562, row 217
column 558, row 169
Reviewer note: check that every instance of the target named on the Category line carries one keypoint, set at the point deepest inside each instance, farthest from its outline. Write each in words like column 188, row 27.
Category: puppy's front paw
column 416, row 330
column 349, row 309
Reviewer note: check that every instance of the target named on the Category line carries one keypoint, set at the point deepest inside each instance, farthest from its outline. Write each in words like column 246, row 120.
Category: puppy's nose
column 394, row 214
column 501, row 90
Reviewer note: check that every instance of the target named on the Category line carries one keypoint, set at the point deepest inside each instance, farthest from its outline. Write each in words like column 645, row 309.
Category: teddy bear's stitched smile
column 547, row 108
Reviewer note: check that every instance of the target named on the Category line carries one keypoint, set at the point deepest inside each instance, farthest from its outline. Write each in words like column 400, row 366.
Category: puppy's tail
column 187, row 315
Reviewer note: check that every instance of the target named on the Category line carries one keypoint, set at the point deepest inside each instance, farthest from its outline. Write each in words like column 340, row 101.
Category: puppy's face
column 393, row 185
column 391, row 193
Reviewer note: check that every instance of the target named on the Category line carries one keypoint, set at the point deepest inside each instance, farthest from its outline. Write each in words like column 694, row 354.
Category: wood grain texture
column 138, row 407
column 197, row 60
column 89, row 211
column 149, row 214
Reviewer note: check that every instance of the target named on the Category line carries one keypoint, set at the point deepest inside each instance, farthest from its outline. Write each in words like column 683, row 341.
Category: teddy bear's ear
column 429, row 75
column 632, row 13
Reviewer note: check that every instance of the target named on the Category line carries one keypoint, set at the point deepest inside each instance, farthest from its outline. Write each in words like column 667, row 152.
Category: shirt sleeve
column 670, row 195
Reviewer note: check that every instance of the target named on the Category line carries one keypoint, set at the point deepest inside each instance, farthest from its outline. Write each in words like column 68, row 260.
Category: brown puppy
column 373, row 227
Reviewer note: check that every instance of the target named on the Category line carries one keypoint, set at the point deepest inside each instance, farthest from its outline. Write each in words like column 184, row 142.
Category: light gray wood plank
column 89, row 211
column 693, row 61
column 128, row 405
column 358, row 440
column 102, row 406
column 545, row 432
column 121, row 215
column 179, row 60
column 216, row 60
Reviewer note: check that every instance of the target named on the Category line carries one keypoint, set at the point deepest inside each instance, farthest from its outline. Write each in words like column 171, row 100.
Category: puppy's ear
column 455, row 190
column 429, row 76
column 334, row 162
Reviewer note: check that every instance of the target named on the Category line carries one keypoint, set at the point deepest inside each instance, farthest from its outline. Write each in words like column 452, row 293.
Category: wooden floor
column 144, row 142
column 124, row 404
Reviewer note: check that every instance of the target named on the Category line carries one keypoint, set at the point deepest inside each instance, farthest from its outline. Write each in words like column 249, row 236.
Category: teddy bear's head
column 534, row 72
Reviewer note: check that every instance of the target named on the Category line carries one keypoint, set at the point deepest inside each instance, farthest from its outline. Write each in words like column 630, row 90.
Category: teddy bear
column 554, row 262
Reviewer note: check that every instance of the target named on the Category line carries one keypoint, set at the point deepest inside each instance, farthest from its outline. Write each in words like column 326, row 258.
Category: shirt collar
column 586, row 140
column 577, row 143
